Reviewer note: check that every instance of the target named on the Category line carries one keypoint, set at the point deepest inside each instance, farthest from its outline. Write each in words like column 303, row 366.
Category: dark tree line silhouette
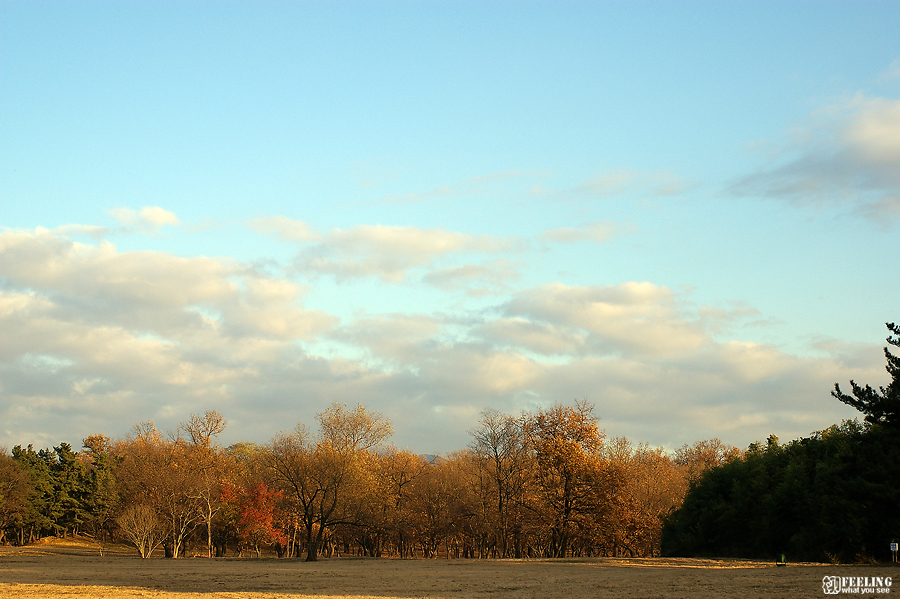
column 834, row 495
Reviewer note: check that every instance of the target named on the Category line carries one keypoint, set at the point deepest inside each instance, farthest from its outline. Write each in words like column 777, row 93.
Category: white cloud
column 148, row 219
column 635, row 349
column 45, row 261
column 395, row 339
column 157, row 217
column 849, row 153
column 626, row 318
column 385, row 252
column 535, row 337
column 721, row 320
column 622, row 181
column 376, row 239
column 389, row 252
column 489, row 278
column 611, row 183
column 598, row 232
column 892, row 73
column 873, row 134
column 87, row 230
column 648, row 362
column 284, row 228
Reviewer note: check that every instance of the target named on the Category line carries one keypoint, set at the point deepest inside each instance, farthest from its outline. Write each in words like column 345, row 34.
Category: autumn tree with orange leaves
column 253, row 511
column 572, row 477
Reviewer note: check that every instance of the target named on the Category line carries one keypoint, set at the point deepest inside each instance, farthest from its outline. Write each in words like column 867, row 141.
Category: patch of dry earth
column 56, row 572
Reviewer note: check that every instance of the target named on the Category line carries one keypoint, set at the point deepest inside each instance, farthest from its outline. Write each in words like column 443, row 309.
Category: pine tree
column 881, row 406
column 70, row 492
column 38, row 520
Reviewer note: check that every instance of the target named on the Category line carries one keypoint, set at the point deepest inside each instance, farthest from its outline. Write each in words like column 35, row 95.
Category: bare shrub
column 141, row 526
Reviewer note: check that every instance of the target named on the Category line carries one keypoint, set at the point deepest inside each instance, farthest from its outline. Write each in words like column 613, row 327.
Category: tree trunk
column 209, row 539
column 311, row 552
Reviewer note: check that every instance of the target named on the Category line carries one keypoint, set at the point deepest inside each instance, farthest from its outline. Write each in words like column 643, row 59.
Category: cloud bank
column 96, row 339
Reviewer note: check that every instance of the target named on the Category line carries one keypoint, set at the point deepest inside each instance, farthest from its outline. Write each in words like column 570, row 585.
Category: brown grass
column 74, row 569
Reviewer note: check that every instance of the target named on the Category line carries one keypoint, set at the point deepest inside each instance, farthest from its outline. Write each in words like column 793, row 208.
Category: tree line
column 543, row 484
column 832, row 496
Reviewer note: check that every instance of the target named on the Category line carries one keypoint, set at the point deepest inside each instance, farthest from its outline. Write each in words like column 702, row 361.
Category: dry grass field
column 74, row 569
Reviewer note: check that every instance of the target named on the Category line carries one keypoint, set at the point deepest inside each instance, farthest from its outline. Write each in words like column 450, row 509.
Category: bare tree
column 349, row 431
column 209, row 465
column 442, row 504
column 501, row 449
column 140, row 524
column 387, row 501
column 703, row 455
column 201, row 429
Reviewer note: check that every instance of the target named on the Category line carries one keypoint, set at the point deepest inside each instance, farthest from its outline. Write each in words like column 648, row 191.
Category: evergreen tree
column 70, row 491
column 881, row 406
column 37, row 520
column 102, row 498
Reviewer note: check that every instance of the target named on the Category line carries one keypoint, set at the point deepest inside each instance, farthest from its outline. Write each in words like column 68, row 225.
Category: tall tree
column 202, row 429
column 39, row 520
column 830, row 496
column 386, row 497
column 162, row 474
column 881, row 406
column 70, row 488
column 208, row 464
column 567, row 444
column 102, row 500
column 501, row 449
column 442, row 505
column 317, row 472
column 652, row 486
column 16, row 495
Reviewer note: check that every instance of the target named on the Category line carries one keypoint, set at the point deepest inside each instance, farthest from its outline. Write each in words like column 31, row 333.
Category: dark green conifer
column 881, row 406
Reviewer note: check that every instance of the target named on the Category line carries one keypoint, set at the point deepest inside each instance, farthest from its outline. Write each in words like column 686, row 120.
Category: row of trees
column 548, row 484
column 831, row 496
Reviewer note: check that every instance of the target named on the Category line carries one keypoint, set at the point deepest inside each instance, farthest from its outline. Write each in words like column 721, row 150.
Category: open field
column 74, row 570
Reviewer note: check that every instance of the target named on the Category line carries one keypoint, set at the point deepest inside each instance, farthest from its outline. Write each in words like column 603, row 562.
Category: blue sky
column 687, row 213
